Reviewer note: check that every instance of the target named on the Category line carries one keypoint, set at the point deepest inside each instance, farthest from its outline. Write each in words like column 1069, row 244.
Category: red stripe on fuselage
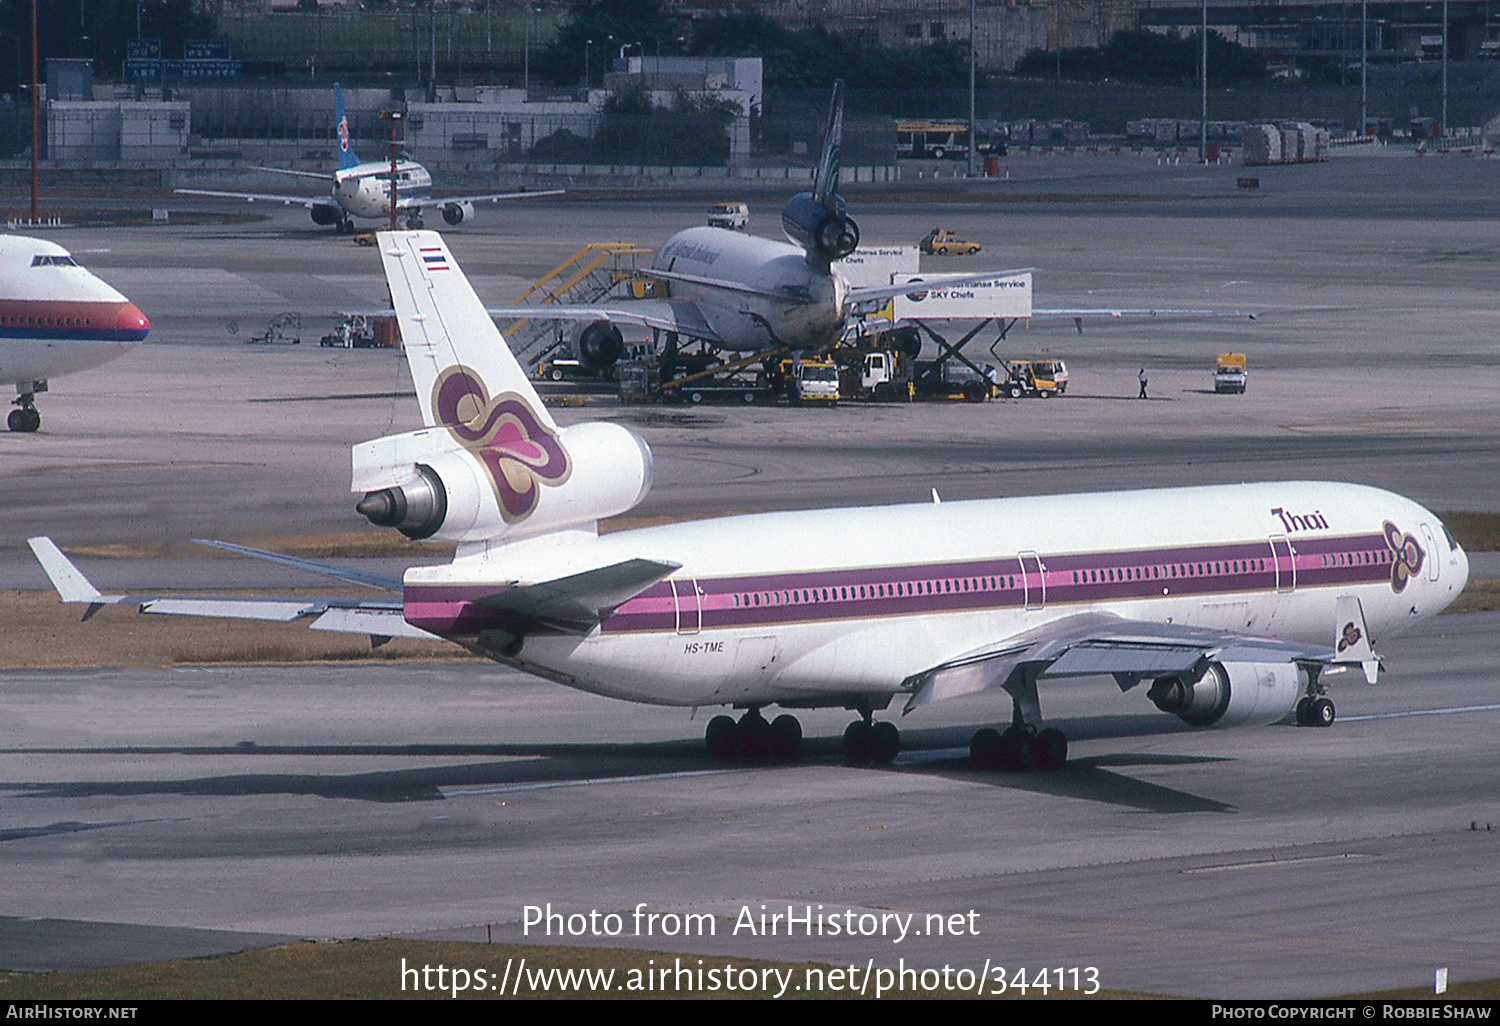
column 112, row 320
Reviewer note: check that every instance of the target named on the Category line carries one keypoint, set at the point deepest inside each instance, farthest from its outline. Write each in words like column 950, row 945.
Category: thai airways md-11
column 1225, row 606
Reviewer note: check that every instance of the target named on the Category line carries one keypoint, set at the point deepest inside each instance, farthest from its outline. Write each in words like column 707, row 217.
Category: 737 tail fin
column 459, row 360
column 347, row 159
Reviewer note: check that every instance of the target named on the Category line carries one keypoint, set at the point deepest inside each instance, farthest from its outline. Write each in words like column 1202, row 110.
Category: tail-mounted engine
column 519, row 483
column 458, row 213
column 1231, row 694
column 826, row 231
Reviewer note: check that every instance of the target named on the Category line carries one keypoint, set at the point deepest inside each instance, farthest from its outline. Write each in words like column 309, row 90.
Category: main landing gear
column 25, row 418
column 752, row 739
column 1025, row 744
column 1315, row 709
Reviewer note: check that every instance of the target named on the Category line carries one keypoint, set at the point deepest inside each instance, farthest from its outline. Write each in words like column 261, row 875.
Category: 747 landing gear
column 867, row 741
column 25, row 418
column 752, row 739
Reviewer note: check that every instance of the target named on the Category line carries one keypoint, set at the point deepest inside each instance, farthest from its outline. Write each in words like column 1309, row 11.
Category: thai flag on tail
column 434, row 258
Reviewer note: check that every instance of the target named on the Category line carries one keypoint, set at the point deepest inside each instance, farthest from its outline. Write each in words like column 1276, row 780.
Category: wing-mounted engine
column 1233, row 694
column 506, row 478
column 325, row 214
column 458, row 213
column 600, row 345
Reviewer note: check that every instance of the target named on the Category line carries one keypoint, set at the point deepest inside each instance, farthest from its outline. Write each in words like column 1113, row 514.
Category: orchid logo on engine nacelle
column 519, row 452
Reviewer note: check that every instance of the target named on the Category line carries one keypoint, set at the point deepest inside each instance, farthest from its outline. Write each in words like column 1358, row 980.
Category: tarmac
column 150, row 814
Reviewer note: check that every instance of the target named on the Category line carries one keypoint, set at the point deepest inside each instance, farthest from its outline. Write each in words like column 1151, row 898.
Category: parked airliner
column 55, row 318
column 363, row 189
column 1232, row 605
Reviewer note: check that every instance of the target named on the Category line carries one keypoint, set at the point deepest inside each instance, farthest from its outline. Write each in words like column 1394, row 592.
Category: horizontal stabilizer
column 577, row 603
column 1351, row 638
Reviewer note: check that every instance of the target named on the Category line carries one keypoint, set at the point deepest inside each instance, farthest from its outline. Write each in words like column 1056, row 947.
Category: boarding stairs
column 598, row 271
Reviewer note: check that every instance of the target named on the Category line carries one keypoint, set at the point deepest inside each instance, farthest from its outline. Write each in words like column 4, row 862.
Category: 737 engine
column 1231, row 694
column 427, row 485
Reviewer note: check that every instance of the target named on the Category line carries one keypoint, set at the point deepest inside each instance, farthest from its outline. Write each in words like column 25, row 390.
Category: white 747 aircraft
column 1233, row 604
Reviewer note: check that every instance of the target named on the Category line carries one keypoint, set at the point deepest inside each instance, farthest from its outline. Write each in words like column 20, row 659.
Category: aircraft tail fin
column 347, row 159
column 826, row 174
column 459, row 360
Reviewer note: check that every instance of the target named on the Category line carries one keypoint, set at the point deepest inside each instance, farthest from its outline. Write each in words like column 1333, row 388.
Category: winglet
column 1351, row 637
column 69, row 581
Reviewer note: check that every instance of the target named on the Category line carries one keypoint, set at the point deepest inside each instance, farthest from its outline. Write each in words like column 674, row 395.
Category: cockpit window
column 48, row 260
column 1452, row 544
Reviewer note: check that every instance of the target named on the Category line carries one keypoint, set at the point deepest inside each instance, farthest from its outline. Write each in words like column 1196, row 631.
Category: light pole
column 1444, row 117
column 1364, row 66
column 1203, row 119
column 586, row 44
column 973, row 134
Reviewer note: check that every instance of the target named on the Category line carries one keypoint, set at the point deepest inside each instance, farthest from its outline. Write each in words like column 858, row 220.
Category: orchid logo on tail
column 517, row 450
column 1406, row 561
column 343, row 135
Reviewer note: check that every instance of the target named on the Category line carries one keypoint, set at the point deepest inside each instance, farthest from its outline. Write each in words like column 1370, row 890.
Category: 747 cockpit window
column 49, row 260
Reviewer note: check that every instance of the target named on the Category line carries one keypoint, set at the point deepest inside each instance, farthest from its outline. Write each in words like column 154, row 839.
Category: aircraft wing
column 574, row 604
column 872, row 293
column 320, row 175
column 268, row 197
column 679, row 315
column 1087, row 644
column 487, row 197
column 1073, row 313
column 796, row 297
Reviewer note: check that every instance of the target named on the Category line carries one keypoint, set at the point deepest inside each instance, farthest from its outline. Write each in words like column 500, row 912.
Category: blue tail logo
column 347, row 159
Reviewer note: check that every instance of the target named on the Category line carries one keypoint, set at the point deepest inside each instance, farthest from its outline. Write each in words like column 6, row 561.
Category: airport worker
column 1142, row 378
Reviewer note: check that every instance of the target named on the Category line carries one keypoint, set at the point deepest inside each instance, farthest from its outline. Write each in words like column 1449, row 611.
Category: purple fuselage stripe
column 1003, row 583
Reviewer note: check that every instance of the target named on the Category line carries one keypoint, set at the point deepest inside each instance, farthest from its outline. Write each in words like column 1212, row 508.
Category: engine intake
column 1231, row 694
column 325, row 214
column 830, row 233
column 600, row 345
column 458, row 213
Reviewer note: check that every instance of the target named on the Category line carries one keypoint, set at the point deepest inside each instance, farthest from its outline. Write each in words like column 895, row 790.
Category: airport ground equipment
column 1030, row 378
column 734, row 216
column 595, row 271
column 284, row 329
column 355, row 331
column 1230, row 373
column 811, row 380
column 699, row 376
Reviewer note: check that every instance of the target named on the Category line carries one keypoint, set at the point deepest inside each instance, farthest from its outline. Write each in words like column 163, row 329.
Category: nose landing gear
column 25, row 418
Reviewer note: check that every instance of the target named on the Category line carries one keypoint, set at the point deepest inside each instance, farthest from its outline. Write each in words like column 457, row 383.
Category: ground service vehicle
column 734, row 216
column 1026, row 378
column 942, row 242
column 1230, row 373
column 811, row 381
column 879, row 375
column 1056, row 370
column 949, row 379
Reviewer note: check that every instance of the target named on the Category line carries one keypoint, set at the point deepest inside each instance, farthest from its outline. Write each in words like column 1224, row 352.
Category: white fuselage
column 811, row 317
column 56, row 317
column 365, row 189
column 812, row 607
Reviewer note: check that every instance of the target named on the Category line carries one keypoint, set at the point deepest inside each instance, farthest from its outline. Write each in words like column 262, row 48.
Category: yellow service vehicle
column 942, row 242
column 1230, row 373
column 1032, row 378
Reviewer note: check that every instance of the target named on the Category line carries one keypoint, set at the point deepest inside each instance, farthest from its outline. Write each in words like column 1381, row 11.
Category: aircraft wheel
column 721, row 737
column 785, row 739
column 1304, row 711
column 1321, row 713
column 1051, row 749
column 556, row 374
column 413, row 223
column 885, row 743
column 695, row 398
column 754, row 736
column 1017, row 750
column 984, row 749
column 24, row 420
column 857, row 742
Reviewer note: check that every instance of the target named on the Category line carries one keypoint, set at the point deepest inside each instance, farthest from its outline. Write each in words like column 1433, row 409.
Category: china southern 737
column 363, row 189
column 1224, row 606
